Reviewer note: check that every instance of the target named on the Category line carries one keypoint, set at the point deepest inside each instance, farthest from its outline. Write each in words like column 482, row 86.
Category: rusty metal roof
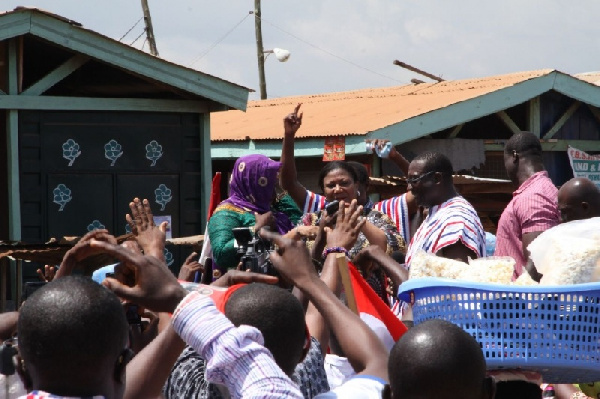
column 590, row 77
column 355, row 112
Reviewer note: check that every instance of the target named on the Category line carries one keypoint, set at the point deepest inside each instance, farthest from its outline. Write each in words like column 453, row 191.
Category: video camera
column 255, row 251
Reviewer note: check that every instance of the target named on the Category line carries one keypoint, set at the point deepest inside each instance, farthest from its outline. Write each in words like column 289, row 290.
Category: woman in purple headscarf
column 252, row 203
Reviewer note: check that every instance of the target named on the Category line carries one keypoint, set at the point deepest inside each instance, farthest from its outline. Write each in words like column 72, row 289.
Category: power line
column 198, row 58
column 130, row 29
column 332, row 54
column 137, row 38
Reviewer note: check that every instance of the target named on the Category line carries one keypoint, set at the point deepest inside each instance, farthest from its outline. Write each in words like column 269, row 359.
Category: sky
column 340, row 45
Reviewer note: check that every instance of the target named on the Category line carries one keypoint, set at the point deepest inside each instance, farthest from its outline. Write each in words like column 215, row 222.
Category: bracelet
column 331, row 250
column 579, row 395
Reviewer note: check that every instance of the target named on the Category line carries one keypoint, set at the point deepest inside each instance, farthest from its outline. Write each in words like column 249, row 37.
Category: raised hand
column 293, row 121
column 47, row 274
column 190, row 267
column 82, row 250
column 348, row 224
column 291, row 259
column 150, row 237
column 266, row 219
column 154, row 285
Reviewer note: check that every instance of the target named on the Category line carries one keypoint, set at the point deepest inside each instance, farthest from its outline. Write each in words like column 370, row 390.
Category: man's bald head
column 438, row 359
column 578, row 199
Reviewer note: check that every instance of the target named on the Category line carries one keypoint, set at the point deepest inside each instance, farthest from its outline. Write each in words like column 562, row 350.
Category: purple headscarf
column 252, row 187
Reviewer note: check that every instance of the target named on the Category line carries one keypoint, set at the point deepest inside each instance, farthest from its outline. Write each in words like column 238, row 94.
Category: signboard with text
column 585, row 165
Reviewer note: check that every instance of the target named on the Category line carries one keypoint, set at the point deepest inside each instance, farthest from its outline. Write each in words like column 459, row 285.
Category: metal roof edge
column 578, row 89
column 465, row 111
column 60, row 31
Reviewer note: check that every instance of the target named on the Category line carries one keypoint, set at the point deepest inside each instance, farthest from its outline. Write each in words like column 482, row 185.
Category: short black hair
column 437, row 359
column 331, row 166
column 277, row 314
column 525, row 144
column 71, row 329
column 435, row 162
column 361, row 172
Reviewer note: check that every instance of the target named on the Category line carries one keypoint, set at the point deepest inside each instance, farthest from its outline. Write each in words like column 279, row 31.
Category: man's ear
column 490, row 388
column 23, row 373
column 585, row 206
column 387, row 392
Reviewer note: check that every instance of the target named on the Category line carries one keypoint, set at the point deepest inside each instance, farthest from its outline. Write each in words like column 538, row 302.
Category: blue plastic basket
column 551, row 330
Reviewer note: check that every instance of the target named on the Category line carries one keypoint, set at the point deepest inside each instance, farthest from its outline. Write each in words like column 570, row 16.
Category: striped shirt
column 446, row 224
column 533, row 208
column 397, row 210
column 236, row 355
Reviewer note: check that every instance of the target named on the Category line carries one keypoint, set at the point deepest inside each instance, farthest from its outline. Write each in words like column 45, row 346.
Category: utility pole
column 149, row 30
column 260, row 51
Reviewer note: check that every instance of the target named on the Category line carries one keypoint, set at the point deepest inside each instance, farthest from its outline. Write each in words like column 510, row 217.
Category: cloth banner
column 585, row 165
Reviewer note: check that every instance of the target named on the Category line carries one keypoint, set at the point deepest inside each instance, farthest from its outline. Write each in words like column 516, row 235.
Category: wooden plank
column 125, row 57
column 14, row 24
column 534, row 124
column 206, row 172
column 562, row 120
column 272, row 148
column 100, row 104
column 555, row 145
column 12, row 134
column 508, row 122
column 595, row 111
column 455, row 131
column 55, row 76
column 342, row 265
column 577, row 89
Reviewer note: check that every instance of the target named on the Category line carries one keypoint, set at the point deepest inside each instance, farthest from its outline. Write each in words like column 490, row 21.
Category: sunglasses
column 414, row 180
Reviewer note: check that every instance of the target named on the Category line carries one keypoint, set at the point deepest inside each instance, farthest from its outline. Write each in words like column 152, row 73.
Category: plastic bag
column 568, row 253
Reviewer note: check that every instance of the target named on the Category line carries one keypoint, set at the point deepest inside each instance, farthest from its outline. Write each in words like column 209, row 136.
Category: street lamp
column 262, row 54
column 281, row 54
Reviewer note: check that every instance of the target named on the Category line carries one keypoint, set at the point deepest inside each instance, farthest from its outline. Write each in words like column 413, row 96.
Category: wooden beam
column 562, row 120
column 272, row 148
column 534, row 124
column 100, row 104
column 577, row 89
column 206, row 172
column 508, row 122
column 555, row 145
column 55, row 76
column 595, row 111
column 12, row 134
column 455, row 131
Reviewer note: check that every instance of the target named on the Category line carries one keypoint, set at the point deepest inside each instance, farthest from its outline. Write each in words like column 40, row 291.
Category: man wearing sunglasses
column 452, row 228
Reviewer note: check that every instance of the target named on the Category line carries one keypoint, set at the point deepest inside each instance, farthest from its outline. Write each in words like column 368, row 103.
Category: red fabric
column 215, row 194
column 367, row 301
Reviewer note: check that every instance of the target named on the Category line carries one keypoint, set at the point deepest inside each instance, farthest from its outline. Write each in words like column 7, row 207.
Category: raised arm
column 288, row 176
column 344, row 235
column 364, row 350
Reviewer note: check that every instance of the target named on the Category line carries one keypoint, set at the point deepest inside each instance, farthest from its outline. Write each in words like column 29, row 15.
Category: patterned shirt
column 533, row 208
column 397, row 210
column 187, row 376
column 46, row 395
column 235, row 356
column 446, row 224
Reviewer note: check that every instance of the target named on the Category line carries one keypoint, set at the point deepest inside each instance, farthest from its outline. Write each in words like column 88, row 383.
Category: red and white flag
column 373, row 311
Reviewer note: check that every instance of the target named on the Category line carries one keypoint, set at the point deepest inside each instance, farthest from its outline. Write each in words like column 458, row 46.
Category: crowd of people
column 137, row 331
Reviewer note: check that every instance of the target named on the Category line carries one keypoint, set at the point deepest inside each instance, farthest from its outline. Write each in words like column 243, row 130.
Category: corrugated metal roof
column 590, row 77
column 355, row 112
